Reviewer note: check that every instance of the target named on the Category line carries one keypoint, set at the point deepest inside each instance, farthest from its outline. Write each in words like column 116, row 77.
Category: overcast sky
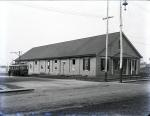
column 27, row 24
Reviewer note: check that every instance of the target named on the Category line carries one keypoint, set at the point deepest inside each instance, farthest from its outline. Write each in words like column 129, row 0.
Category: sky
column 27, row 24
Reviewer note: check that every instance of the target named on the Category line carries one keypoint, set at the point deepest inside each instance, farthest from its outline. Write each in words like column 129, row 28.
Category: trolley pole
column 107, row 32
column 18, row 54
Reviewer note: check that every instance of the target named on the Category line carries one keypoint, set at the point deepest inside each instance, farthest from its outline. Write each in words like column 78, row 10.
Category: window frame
column 73, row 61
column 55, row 61
column 86, row 64
column 30, row 66
column 48, row 64
column 116, row 63
column 42, row 67
column 103, row 59
column 35, row 62
column 119, row 44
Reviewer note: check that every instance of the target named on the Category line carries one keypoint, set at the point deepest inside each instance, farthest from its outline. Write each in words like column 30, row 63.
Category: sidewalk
column 5, row 87
column 135, row 80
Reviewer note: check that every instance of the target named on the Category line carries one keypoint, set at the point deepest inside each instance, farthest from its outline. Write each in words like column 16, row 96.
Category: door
column 64, row 67
column 116, row 64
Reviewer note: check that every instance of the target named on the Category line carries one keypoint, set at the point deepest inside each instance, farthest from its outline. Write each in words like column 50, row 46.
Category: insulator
column 125, row 3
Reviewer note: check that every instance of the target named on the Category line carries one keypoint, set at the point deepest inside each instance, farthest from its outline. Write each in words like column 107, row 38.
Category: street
column 136, row 106
column 69, row 97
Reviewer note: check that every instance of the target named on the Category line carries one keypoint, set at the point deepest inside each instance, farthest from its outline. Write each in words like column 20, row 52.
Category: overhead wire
column 143, row 8
column 62, row 11
column 142, row 43
column 66, row 12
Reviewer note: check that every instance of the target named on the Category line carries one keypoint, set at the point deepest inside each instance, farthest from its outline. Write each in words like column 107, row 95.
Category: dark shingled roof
column 80, row 47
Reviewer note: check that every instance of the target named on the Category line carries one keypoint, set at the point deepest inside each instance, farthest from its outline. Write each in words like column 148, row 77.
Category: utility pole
column 18, row 54
column 107, row 31
column 121, row 41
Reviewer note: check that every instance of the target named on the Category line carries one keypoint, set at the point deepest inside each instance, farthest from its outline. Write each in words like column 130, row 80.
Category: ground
column 54, row 96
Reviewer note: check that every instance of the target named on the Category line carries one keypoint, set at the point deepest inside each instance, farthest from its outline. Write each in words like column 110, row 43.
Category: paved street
column 57, row 95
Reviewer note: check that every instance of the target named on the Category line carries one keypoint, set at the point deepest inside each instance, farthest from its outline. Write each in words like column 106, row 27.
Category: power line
column 18, row 53
column 137, row 37
column 142, row 43
column 62, row 11
column 143, row 8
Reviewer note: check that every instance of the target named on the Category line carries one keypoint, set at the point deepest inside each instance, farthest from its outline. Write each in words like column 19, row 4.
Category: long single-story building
column 83, row 57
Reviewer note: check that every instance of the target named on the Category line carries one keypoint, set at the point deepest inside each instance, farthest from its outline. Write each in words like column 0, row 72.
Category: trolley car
column 18, row 70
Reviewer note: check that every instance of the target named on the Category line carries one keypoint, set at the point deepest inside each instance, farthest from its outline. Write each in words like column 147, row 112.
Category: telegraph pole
column 107, row 31
column 121, row 41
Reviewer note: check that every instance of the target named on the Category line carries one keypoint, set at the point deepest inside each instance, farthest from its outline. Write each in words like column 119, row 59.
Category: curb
column 15, row 90
column 136, row 80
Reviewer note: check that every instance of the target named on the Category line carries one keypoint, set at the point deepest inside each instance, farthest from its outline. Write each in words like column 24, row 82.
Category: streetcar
column 18, row 70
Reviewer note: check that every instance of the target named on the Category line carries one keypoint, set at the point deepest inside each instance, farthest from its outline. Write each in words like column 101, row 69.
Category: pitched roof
column 80, row 47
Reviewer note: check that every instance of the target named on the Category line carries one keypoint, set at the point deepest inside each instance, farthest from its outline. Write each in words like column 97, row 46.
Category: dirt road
column 55, row 94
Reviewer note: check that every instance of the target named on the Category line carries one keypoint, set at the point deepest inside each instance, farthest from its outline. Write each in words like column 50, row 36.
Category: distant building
column 145, row 69
column 143, row 64
column 83, row 57
column 3, row 69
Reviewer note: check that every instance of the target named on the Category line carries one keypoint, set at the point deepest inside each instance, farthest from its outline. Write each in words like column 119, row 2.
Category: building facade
column 84, row 57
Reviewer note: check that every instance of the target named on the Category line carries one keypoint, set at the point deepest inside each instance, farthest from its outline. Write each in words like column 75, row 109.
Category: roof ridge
column 75, row 39
column 78, row 47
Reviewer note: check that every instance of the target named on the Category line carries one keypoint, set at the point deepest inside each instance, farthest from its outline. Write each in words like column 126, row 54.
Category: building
column 143, row 64
column 84, row 57
column 144, row 69
column 3, row 70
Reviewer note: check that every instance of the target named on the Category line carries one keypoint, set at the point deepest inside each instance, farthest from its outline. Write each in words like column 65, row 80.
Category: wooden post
column 131, row 67
column 112, row 69
column 127, row 68
column 137, row 66
column 79, row 66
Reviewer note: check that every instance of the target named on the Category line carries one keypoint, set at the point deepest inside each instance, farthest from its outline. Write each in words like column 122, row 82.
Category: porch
column 130, row 66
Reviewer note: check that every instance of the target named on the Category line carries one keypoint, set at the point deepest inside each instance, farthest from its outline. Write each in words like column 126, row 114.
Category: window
column 116, row 64
column 119, row 44
column 103, row 64
column 124, row 66
column 73, row 61
column 35, row 62
column 134, row 65
column 48, row 65
column 41, row 66
column 55, row 61
column 86, row 64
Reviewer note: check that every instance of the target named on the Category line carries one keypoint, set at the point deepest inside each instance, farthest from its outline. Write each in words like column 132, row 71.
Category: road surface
column 60, row 96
